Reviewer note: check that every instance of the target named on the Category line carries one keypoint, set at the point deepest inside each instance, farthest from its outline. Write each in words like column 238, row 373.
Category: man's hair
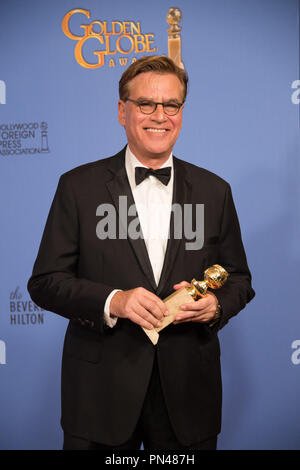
column 156, row 63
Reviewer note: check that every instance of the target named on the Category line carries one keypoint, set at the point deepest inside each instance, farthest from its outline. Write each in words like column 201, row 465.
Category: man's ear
column 121, row 113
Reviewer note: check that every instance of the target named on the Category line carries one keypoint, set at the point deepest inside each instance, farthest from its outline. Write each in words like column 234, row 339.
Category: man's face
column 151, row 137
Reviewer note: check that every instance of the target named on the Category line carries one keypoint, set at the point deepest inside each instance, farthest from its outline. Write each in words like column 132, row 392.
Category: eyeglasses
column 149, row 107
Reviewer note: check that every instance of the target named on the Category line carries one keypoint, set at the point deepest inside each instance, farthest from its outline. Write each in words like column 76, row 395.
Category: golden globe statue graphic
column 174, row 17
column 214, row 278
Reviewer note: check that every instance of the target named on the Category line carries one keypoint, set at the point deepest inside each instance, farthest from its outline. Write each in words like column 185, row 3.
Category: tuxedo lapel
column 119, row 186
column 181, row 195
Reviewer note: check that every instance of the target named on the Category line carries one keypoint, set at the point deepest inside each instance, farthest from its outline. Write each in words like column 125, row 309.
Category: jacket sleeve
column 54, row 284
column 237, row 291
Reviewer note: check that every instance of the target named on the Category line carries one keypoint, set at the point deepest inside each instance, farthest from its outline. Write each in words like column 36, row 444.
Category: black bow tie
column 163, row 174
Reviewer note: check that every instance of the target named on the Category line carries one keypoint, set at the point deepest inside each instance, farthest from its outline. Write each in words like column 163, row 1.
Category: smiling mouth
column 155, row 130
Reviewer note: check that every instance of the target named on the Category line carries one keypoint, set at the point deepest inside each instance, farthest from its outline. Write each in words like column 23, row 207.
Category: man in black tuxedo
column 118, row 389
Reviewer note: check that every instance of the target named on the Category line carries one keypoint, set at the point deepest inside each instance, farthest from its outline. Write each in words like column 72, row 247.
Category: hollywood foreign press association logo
column 24, row 138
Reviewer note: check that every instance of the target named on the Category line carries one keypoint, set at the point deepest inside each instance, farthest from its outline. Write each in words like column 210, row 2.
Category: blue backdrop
column 241, row 120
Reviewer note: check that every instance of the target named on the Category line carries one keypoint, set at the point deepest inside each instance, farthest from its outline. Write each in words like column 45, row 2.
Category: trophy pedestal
column 173, row 303
column 174, row 50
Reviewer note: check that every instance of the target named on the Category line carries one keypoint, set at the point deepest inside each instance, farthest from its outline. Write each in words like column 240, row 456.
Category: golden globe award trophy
column 214, row 278
column 174, row 40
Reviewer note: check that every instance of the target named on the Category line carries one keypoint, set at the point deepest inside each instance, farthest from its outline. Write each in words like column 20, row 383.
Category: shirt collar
column 131, row 162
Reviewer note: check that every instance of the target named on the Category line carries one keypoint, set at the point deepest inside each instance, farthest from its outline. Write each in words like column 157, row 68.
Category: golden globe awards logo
column 112, row 39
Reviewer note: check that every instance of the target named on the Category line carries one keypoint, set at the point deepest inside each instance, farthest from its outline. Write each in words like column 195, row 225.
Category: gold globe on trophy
column 214, row 278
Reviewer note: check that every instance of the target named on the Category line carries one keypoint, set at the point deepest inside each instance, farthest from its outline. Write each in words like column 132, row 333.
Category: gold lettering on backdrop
column 82, row 61
column 122, row 37
column 66, row 19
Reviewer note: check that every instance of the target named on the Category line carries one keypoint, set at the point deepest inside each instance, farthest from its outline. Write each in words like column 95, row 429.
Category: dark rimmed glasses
column 149, row 107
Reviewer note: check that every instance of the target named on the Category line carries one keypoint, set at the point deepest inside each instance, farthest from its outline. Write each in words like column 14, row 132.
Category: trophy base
column 173, row 303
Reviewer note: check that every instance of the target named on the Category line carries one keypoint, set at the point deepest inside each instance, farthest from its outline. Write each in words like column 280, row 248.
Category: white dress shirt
column 153, row 201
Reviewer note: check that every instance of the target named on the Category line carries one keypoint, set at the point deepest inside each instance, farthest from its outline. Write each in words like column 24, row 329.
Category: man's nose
column 159, row 114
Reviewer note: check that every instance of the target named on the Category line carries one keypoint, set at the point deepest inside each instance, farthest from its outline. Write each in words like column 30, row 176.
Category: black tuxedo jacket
column 106, row 371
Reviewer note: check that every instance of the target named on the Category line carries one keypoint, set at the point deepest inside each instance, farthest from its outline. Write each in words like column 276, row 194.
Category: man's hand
column 140, row 306
column 203, row 310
